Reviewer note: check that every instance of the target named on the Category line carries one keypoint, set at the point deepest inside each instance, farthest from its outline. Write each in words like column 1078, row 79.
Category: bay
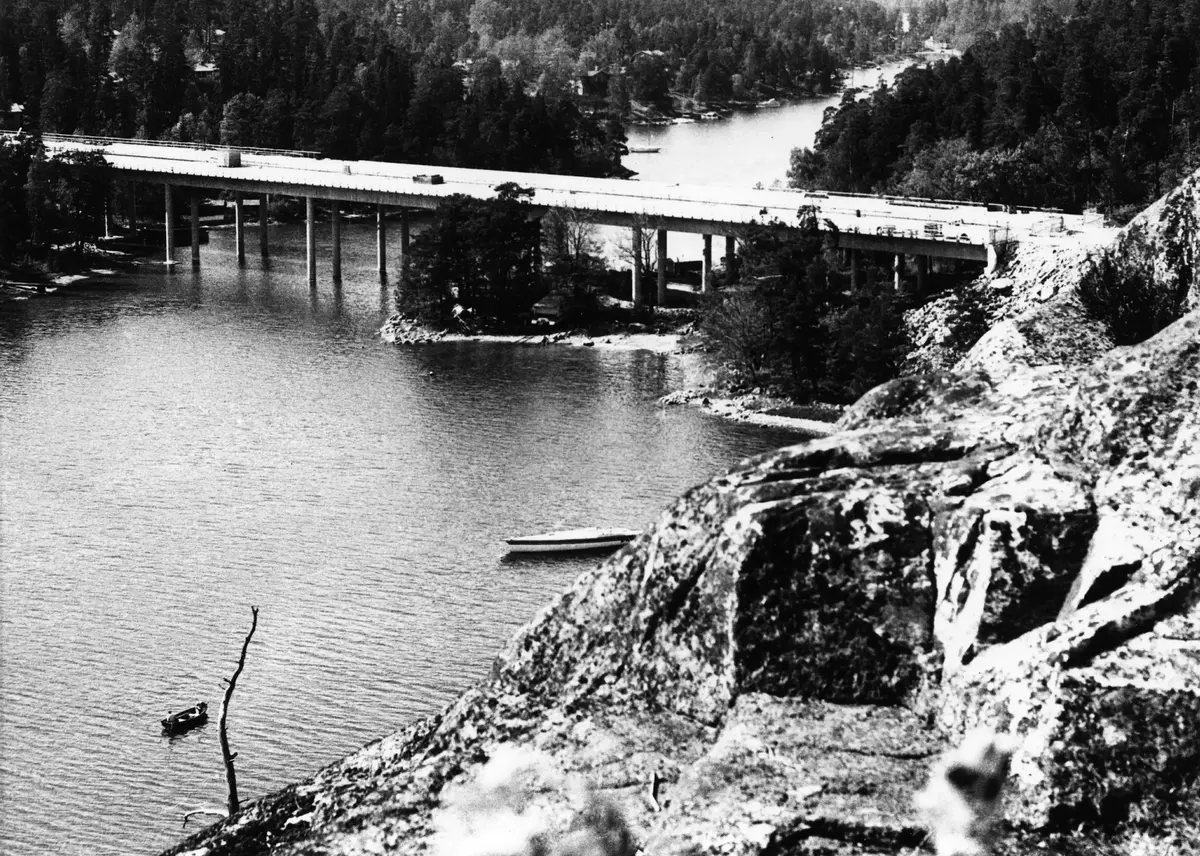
column 177, row 447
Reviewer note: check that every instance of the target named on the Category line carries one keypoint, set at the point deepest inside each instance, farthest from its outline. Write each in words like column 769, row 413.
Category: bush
column 1120, row 288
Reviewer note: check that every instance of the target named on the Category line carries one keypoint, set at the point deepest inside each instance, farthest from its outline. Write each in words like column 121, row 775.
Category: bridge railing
column 172, row 144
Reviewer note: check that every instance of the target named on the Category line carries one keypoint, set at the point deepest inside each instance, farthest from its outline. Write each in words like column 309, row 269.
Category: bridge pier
column 706, row 266
column 380, row 242
column 170, row 224
column 537, row 246
column 638, row 294
column 263, row 208
column 131, row 205
column 993, row 258
column 310, row 239
column 336, row 218
column 662, row 267
column 898, row 271
column 922, row 273
column 855, row 269
column 404, row 234
column 732, row 274
column 195, row 215
column 239, row 229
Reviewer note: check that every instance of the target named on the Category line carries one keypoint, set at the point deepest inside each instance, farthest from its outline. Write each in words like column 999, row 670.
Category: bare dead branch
column 230, row 775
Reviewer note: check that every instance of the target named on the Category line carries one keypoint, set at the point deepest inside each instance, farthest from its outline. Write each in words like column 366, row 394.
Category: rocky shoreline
column 674, row 339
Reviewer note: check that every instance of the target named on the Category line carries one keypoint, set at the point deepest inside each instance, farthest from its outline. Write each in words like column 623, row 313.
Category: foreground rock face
column 773, row 666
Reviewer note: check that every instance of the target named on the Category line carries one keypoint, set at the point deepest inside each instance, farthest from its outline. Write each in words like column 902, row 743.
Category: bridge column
column 922, row 273
column 855, row 269
column 310, row 239
column 537, row 246
column 170, row 224
column 263, row 208
column 662, row 267
column 732, row 274
column 638, row 294
column 404, row 232
column 993, row 258
column 195, row 212
column 380, row 242
column 336, row 217
column 898, row 271
column 706, row 266
column 131, row 205
column 239, row 229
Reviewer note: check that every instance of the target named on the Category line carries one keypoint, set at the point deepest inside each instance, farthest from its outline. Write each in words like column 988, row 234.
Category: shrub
column 1120, row 288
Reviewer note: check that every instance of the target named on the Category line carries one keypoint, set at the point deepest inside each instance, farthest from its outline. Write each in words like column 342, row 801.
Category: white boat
column 647, row 150
column 588, row 538
column 710, row 116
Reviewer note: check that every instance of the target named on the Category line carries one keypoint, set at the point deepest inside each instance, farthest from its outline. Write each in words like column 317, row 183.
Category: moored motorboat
column 588, row 538
column 185, row 720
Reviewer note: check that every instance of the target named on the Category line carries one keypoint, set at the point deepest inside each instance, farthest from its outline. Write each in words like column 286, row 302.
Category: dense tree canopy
column 485, row 84
column 1098, row 108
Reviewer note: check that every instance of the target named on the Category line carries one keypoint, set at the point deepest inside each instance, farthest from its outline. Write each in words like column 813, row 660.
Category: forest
column 1098, row 108
column 480, row 84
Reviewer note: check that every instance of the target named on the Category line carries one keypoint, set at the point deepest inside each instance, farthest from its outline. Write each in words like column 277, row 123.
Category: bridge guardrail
column 200, row 147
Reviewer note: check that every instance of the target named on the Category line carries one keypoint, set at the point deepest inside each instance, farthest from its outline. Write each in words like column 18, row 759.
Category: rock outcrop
column 772, row 668
column 1030, row 311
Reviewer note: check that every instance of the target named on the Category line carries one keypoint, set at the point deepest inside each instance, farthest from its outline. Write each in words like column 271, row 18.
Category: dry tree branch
column 230, row 776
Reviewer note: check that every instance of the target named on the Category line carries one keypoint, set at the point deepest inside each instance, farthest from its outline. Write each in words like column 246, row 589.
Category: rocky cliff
column 772, row 668
column 1030, row 310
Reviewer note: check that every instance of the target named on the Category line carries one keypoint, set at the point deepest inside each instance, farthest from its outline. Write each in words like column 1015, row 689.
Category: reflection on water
column 179, row 447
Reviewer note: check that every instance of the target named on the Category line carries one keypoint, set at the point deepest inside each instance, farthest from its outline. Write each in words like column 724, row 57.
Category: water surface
column 178, row 447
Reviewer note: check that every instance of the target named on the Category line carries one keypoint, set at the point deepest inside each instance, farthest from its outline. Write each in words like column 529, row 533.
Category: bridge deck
column 934, row 227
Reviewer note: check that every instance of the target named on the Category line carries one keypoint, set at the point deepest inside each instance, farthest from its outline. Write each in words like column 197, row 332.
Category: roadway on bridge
column 939, row 227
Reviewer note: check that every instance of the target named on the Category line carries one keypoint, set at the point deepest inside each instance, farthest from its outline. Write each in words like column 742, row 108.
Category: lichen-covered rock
column 1168, row 236
column 795, row 771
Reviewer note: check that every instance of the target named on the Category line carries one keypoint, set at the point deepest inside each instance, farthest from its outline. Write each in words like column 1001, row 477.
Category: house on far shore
column 13, row 118
column 594, row 84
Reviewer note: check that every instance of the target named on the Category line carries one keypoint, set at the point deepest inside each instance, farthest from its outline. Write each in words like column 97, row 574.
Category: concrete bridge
column 898, row 226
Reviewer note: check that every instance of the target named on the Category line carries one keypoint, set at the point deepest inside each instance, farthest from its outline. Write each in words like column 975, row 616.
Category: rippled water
column 178, row 447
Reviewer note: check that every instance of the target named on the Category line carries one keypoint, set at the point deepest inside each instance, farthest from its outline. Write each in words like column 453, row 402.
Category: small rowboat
column 590, row 538
column 185, row 720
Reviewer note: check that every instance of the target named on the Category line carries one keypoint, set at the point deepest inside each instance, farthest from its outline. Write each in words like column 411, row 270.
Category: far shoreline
column 753, row 408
